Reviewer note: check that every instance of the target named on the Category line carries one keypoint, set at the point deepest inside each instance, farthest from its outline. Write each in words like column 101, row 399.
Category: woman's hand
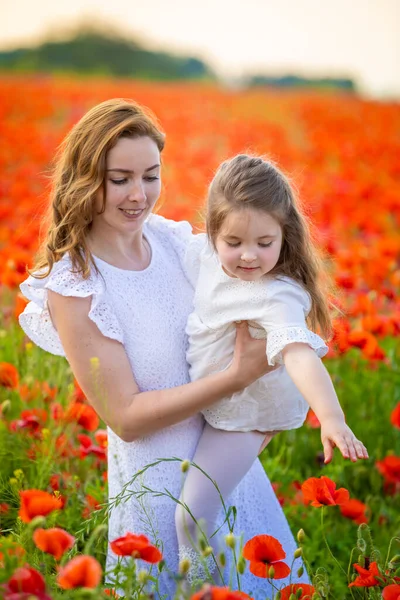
column 335, row 433
column 249, row 358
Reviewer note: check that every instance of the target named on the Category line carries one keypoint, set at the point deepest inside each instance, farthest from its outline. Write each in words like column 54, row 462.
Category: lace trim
column 278, row 339
column 201, row 567
column 36, row 320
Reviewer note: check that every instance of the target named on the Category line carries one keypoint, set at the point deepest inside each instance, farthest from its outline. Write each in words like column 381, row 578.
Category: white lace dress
column 147, row 312
column 276, row 309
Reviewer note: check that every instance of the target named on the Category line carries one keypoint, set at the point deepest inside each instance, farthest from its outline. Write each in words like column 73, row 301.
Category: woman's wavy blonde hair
column 79, row 174
column 251, row 182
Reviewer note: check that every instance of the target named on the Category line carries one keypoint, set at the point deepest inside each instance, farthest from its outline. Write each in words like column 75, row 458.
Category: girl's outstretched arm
column 314, row 383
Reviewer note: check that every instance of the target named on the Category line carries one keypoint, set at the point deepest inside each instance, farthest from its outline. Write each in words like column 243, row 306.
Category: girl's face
column 249, row 244
column 132, row 184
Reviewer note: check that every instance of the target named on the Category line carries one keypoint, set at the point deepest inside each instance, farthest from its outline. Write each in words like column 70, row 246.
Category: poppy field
column 343, row 155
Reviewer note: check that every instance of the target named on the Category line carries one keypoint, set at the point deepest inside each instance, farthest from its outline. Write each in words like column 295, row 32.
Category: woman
column 110, row 285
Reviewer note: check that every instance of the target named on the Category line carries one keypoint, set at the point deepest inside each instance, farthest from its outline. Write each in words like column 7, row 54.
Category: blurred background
column 315, row 84
column 351, row 45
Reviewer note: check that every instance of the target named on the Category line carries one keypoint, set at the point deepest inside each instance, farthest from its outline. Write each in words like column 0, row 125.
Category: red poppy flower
column 37, row 502
column 26, row 579
column 312, row 420
column 355, row 510
column 31, row 419
column 92, row 504
column 264, row 552
column 136, row 546
column 366, row 577
column 390, row 468
column 111, row 592
column 323, row 492
column 80, row 571
column 87, row 447
column 8, row 375
column 54, row 541
column 395, row 416
column 391, row 592
column 84, row 415
column 306, row 593
column 20, row 304
column 209, row 592
column 101, row 438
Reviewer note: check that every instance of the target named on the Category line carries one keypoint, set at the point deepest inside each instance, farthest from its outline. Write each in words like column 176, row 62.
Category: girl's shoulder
column 283, row 288
column 178, row 231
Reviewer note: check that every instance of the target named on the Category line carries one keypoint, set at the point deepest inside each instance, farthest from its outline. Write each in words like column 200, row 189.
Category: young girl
column 257, row 263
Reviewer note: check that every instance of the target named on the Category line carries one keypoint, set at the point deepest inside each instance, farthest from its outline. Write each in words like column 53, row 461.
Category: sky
column 350, row 38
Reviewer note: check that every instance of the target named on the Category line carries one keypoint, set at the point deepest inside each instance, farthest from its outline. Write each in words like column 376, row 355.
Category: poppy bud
column 241, row 566
column 184, row 566
column 230, row 541
column 202, row 544
column 222, row 559
column 278, row 596
column 395, row 559
column 299, row 593
column 185, row 464
column 207, row 551
column 300, row 571
column 292, row 597
column 298, row 552
column 271, row 572
column 301, row 536
column 36, row 522
column 142, row 577
column 5, row 407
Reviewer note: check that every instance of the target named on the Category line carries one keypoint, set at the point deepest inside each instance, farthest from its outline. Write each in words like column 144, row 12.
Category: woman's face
column 132, row 184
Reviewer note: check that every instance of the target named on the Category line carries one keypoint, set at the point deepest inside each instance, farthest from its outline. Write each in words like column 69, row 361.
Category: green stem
column 327, row 545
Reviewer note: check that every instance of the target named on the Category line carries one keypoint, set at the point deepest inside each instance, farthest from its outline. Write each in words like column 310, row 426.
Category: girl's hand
column 335, row 433
column 249, row 358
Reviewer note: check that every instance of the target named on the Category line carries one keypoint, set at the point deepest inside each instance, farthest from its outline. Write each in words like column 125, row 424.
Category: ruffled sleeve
column 285, row 322
column 36, row 320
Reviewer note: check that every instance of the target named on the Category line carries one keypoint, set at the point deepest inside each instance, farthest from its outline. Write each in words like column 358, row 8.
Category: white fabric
column 276, row 308
column 147, row 311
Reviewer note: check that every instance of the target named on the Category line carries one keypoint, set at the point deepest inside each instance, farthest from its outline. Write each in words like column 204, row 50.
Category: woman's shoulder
column 66, row 281
column 63, row 278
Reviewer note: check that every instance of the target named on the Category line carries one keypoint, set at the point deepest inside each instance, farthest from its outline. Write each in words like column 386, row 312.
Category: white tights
column 225, row 456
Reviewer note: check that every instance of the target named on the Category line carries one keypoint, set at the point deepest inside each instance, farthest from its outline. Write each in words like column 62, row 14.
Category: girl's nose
column 248, row 256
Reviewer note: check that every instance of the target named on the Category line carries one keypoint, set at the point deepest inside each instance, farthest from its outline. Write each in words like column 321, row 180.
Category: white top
column 147, row 312
column 276, row 308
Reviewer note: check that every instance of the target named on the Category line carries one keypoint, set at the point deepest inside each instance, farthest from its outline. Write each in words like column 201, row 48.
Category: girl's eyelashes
column 237, row 244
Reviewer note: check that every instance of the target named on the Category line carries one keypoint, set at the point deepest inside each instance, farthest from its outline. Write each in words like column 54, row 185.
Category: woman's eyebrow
column 129, row 171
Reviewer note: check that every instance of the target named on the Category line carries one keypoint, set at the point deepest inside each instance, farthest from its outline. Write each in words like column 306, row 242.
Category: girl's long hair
column 78, row 175
column 252, row 182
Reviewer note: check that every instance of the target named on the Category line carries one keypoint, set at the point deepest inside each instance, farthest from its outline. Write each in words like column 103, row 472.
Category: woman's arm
column 313, row 381
column 110, row 387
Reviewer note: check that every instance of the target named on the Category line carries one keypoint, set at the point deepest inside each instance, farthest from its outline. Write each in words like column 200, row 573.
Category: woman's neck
column 125, row 251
